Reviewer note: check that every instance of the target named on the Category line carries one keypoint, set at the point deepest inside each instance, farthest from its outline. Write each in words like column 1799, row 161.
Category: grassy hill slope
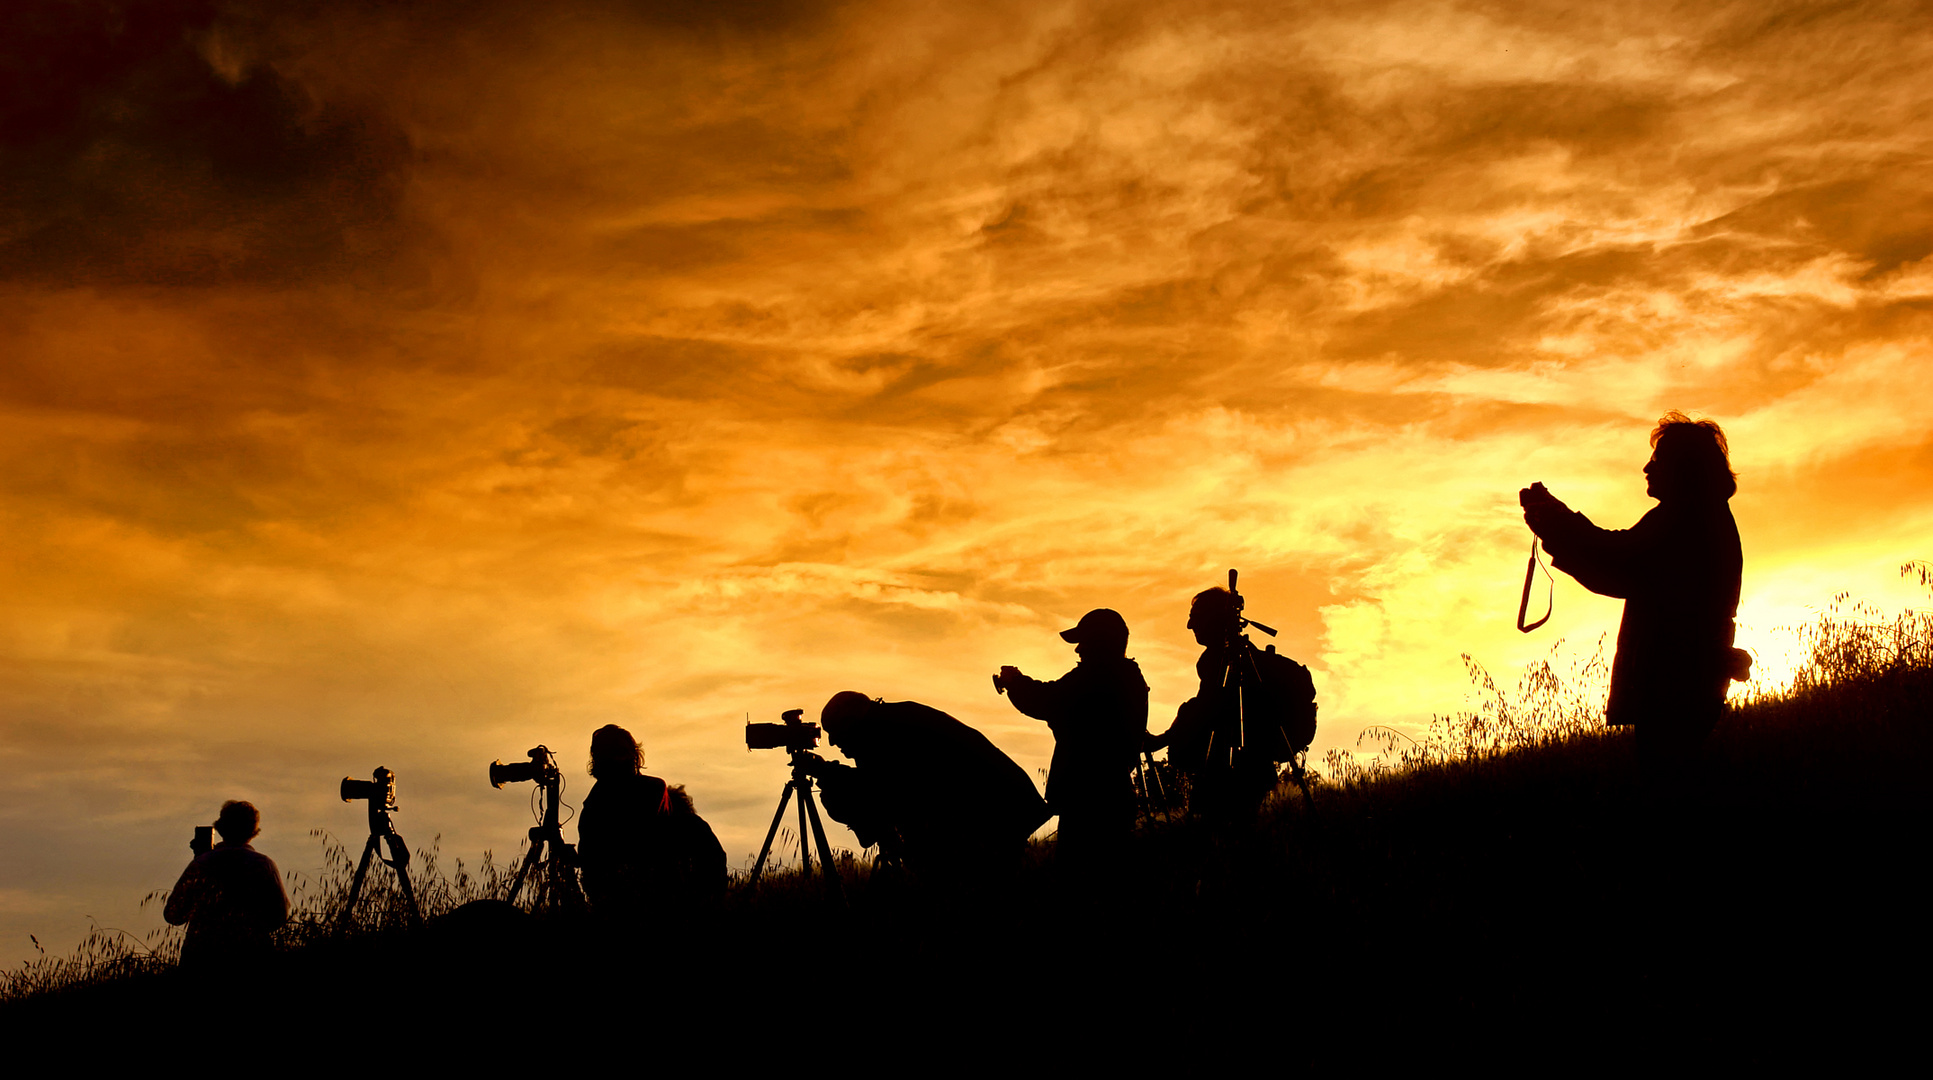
column 1516, row 875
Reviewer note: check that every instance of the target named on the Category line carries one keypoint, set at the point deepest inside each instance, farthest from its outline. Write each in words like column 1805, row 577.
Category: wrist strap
column 1531, row 570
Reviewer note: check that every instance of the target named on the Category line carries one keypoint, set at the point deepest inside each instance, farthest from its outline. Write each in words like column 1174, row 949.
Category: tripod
column 1151, row 790
column 801, row 782
column 561, row 863
column 381, row 794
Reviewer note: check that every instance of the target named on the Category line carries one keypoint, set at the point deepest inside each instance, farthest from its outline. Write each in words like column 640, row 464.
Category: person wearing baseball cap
column 1099, row 716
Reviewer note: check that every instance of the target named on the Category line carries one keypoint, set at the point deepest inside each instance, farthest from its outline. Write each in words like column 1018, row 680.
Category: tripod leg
column 759, row 866
column 805, row 853
column 355, row 885
column 1301, row 776
column 556, row 883
column 399, row 859
column 531, row 855
column 819, row 834
column 563, row 860
column 1155, row 785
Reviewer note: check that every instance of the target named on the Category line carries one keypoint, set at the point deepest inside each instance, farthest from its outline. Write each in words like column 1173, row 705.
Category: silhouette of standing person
column 642, row 846
column 1678, row 572
column 1227, row 780
column 1099, row 716
column 231, row 897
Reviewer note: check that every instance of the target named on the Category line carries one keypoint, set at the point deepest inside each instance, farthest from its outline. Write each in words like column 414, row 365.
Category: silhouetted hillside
column 1511, row 870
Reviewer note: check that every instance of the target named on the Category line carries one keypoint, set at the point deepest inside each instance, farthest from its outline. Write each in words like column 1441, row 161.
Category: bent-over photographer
column 925, row 787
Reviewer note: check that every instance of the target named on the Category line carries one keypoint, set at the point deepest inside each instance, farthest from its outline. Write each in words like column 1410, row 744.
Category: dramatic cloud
column 411, row 384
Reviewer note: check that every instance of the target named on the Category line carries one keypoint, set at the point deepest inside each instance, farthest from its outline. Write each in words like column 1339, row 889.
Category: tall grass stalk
column 1546, row 706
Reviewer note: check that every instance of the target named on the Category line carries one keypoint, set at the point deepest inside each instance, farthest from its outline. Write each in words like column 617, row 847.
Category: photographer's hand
column 1542, row 510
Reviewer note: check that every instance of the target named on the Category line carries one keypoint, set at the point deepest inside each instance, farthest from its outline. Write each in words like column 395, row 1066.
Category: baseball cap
column 1101, row 624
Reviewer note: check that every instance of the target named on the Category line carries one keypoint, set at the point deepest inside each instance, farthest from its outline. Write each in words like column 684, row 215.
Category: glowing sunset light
column 412, row 386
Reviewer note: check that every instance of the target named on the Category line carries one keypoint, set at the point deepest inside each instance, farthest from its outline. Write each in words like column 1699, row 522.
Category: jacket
column 1678, row 571
column 1099, row 714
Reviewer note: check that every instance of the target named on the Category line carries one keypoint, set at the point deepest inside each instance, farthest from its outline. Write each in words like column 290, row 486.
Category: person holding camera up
column 230, row 896
column 1678, row 570
column 1099, row 716
column 641, row 844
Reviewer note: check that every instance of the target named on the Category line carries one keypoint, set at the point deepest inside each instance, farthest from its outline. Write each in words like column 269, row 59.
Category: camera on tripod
column 381, row 790
column 797, row 738
column 556, row 878
column 795, row 735
column 542, row 767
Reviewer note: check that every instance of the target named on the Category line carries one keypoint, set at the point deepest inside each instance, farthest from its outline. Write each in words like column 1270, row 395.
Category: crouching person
column 643, row 849
column 932, row 792
column 230, row 897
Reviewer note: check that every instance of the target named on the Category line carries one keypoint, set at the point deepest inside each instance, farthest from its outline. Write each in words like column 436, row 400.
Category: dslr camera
column 795, row 735
column 541, row 767
column 380, row 790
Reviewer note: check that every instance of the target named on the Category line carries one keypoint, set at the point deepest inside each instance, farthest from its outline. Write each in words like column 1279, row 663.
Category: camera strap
column 1531, row 570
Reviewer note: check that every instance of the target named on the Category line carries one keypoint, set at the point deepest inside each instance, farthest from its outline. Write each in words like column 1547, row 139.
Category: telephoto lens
column 381, row 788
column 537, row 768
column 515, row 772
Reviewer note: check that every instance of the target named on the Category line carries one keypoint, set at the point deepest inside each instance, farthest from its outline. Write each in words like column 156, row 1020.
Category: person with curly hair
column 1678, row 571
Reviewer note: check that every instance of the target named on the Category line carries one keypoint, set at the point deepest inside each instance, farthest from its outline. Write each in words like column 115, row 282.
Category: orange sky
column 409, row 387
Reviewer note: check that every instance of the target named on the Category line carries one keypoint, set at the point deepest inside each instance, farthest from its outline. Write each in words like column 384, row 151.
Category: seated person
column 929, row 790
column 231, row 896
column 641, row 844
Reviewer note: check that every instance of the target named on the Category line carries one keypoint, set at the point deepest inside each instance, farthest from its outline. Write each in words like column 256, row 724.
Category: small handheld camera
column 541, row 767
column 380, row 790
column 204, row 840
column 795, row 735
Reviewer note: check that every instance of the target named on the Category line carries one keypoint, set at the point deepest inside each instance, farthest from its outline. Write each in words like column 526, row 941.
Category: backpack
column 1281, row 716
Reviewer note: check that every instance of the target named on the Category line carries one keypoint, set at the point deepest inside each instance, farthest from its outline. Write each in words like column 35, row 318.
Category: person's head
column 843, row 717
column 1101, row 633
column 239, row 822
column 615, row 753
column 1212, row 616
column 1689, row 460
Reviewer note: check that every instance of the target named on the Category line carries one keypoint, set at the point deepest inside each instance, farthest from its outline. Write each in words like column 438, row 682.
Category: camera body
column 795, row 735
column 380, row 789
column 541, row 767
column 204, row 841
